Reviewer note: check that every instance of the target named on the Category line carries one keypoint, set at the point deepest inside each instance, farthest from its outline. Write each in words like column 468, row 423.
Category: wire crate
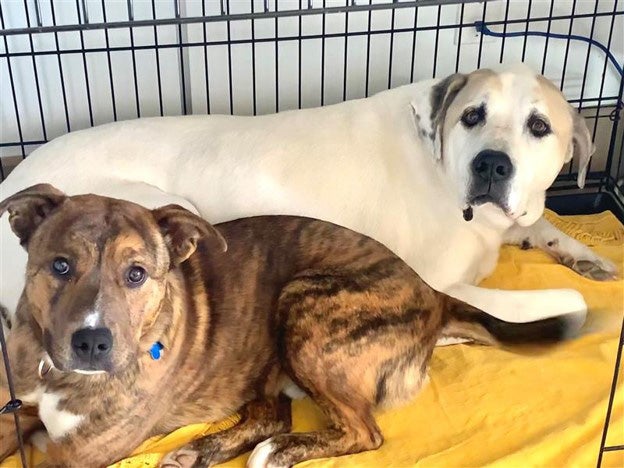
column 72, row 64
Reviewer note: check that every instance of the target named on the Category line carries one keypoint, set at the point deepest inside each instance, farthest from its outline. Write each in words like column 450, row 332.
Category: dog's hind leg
column 352, row 429
column 351, row 348
column 260, row 419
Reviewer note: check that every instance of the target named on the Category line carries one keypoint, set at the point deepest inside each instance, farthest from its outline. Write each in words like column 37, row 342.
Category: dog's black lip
column 478, row 200
column 482, row 199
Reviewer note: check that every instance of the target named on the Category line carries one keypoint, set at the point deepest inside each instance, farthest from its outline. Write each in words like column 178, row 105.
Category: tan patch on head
column 129, row 249
column 479, row 83
column 558, row 111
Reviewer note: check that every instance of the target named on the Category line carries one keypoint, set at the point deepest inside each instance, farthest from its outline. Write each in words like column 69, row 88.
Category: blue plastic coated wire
column 481, row 27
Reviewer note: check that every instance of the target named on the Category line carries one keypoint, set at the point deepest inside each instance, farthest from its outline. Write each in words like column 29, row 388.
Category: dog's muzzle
column 491, row 172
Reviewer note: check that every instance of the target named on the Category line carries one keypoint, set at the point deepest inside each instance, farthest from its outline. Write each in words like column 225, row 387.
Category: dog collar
column 45, row 366
column 156, row 351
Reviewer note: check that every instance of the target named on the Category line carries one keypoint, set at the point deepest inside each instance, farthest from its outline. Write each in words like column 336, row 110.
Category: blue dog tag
column 156, row 350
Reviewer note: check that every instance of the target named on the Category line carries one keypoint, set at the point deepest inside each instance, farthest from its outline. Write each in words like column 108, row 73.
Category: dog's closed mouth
column 482, row 199
column 89, row 372
column 46, row 365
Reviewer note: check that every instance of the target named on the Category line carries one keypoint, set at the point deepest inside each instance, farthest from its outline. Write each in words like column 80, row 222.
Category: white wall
column 286, row 55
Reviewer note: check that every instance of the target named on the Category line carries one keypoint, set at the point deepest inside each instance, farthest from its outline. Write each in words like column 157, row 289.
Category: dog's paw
column 181, row 458
column 597, row 269
column 262, row 455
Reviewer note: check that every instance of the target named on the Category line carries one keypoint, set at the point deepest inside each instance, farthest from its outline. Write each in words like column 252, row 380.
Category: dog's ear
column 429, row 111
column 182, row 230
column 28, row 208
column 581, row 147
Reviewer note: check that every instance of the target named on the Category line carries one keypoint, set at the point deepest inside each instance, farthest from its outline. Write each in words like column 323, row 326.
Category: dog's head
column 501, row 138
column 97, row 279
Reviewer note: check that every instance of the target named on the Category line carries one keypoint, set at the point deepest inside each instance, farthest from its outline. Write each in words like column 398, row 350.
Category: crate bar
column 226, row 11
column 602, row 83
column 299, row 70
column 613, row 448
column 23, row 143
column 589, row 49
column 323, row 37
column 12, row 81
column 617, row 114
column 526, row 29
column 616, row 368
column 415, row 30
column 184, row 106
column 61, row 74
column 584, row 82
column 459, row 39
column 266, row 8
column 567, row 49
column 502, row 50
column 368, row 33
column 234, row 17
column 285, row 38
column 346, row 49
column 130, row 10
column 84, row 60
column 36, row 73
column 110, row 64
column 548, row 28
column 621, row 158
column 283, row 13
column 391, row 51
column 436, row 43
column 9, row 379
column 157, row 57
column 481, row 36
column 253, row 60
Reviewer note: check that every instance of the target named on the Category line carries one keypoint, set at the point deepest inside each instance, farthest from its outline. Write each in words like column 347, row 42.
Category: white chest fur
column 58, row 422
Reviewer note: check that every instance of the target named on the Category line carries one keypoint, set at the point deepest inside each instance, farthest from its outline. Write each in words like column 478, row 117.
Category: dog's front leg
column 260, row 420
column 29, row 423
column 563, row 248
column 100, row 440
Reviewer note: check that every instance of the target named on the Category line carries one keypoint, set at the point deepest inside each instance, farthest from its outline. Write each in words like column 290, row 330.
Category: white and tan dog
column 442, row 172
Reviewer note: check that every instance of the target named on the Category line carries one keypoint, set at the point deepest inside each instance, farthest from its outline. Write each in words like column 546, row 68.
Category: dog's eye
column 135, row 276
column 472, row 116
column 60, row 266
column 538, row 126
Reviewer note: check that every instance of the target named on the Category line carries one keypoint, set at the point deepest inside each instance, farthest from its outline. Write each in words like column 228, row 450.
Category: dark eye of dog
column 135, row 276
column 473, row 116
column 538, row 126
column 60, row 266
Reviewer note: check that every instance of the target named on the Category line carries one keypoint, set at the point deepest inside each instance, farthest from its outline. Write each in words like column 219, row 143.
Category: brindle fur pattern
column 291, row 300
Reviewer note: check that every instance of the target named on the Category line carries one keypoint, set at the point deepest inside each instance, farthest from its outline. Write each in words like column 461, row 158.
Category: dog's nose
column 491, row 165
column 92, row 344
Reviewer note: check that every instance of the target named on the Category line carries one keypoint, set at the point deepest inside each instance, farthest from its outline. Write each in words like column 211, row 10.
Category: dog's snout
column 92, row 344
column 492, row 166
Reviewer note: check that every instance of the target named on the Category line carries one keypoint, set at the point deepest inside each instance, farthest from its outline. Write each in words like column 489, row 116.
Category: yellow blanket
column 486, row 406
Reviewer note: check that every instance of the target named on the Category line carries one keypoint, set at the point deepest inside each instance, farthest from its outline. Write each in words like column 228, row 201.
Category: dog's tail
column 468, row 322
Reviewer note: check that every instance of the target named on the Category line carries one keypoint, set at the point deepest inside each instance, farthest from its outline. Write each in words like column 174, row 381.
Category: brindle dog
column 136, row 322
